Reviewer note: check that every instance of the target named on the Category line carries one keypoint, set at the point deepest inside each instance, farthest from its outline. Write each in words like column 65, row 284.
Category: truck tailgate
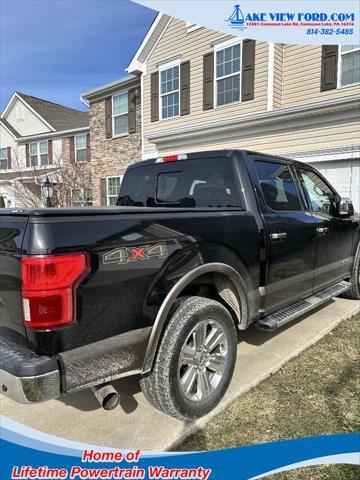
column 12, row 230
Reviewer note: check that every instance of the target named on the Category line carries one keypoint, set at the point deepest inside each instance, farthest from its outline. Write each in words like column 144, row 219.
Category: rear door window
column 203, row 183
column 278, row 187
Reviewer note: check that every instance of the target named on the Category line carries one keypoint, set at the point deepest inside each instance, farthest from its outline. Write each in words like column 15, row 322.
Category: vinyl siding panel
column 192, row 46
column 29, row 125
column 301, row 77
column 283, row 142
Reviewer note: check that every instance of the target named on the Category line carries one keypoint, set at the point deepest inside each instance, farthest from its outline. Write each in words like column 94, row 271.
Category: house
column 38, row 140
column 202, row 90
column 115, row 126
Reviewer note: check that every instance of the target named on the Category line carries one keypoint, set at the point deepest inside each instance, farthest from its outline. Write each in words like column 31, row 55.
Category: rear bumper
column 26, row 377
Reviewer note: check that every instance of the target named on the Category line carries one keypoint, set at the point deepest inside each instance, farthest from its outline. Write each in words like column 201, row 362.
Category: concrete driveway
column 137, row 425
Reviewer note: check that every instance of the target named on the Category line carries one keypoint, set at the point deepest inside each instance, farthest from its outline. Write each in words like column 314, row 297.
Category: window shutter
column 185, row 88
column 155, row 97
column 208, row 81
column 50, row 152
column 132, row 110
column 88, row 149
column 103, row 199
column 27, row 154
column 72, row 149
column 8, row 157
column 108, row 117
column 329, row 64
column 248, row 70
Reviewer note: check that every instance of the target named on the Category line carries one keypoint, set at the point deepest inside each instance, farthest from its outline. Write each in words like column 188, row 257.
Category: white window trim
column 5, row 158
column 221, row 46
column 161, row 68
column 125, row 134
column 76, row 149
column 340, row 54
column 107, row 187
column 38, row 154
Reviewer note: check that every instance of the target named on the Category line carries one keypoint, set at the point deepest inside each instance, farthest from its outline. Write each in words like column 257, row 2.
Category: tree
column 72, row 183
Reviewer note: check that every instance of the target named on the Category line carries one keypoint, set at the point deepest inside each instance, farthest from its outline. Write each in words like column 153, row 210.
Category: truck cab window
column 278, row 186
column 320, row 196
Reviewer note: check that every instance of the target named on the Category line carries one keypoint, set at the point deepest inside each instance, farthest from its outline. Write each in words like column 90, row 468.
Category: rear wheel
column 195, row 361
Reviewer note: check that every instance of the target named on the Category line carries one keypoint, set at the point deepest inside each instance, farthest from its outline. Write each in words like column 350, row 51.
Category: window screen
column 278, row 186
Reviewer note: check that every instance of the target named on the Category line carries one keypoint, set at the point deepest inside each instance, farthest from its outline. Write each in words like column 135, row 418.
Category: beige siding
column 300, row 138
column 302, row 70
column 29, row 125
column 278, row 75
column 192, row 46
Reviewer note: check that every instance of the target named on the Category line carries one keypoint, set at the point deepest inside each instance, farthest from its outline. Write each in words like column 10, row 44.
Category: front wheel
column 354, row 291
column 195, row 360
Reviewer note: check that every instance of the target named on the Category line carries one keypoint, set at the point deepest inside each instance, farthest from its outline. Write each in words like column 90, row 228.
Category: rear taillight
column 48, row 288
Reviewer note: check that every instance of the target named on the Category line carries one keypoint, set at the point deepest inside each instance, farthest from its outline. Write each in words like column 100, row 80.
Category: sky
column 58, row 49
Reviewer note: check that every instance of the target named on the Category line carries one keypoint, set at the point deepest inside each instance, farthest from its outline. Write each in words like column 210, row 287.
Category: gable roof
column 58, row 116
column 147, row 45
column 10, row 128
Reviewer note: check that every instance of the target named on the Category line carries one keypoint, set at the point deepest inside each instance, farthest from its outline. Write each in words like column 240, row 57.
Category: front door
column 334, row 233
column 290, row 233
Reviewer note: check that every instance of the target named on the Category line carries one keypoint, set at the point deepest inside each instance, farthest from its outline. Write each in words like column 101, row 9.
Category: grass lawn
column 314, row 394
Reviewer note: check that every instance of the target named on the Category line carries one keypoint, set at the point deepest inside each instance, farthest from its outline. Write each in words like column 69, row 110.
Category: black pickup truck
column 198, row 246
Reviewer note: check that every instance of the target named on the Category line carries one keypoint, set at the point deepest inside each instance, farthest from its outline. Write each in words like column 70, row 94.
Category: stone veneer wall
column 111, row 156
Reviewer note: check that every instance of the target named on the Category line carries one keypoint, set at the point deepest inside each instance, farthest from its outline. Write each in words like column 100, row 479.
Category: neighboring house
column 204, row 90
column 115, row 126
column 40, row 139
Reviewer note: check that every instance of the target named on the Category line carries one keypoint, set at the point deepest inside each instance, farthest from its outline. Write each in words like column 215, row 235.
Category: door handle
column 278, row 236
column 322, row 230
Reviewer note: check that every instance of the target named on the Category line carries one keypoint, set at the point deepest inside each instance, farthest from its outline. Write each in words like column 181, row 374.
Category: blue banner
column 27, row 453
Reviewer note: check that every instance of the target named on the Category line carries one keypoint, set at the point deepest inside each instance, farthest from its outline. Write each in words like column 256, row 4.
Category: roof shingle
column 58, row 116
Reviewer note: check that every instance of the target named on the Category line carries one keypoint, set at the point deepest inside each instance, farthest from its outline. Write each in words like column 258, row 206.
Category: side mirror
column 346, row 207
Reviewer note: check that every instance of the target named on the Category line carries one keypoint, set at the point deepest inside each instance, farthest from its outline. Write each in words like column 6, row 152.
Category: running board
column 287, row 314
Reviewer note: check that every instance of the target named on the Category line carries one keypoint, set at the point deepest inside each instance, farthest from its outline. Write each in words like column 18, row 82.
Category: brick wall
column 111, row 156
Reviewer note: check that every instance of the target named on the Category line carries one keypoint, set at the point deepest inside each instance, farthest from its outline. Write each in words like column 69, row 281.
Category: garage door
column 344, row 175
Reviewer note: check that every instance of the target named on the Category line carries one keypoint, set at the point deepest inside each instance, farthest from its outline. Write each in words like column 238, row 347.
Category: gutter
column 62, row 133
column 104, row 91
column 350, row 102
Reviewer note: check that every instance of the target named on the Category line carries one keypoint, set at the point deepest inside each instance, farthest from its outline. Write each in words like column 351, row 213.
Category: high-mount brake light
column 171, row 158
column 48, row 284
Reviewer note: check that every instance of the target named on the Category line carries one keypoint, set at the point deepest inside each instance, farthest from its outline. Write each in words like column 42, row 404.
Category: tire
column 180, row 389
column 354, row 292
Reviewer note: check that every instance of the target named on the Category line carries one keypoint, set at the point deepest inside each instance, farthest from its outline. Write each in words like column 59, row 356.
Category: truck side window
column 320, row 196
column 278, row 186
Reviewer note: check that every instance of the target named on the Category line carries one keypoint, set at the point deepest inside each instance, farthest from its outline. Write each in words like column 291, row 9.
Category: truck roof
column 215, row 154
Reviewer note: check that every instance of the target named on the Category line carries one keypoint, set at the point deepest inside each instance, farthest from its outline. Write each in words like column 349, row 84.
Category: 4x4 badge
column 132, row 254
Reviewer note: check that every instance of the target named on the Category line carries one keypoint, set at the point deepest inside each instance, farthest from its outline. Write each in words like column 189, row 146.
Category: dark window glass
column 187, row 183
column 320, row 196
column 278, row 186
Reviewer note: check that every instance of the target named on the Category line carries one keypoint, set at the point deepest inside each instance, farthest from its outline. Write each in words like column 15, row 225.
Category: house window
column 39, row 154
column 3, row 159
column 120, row 114
column 81, row 197
column 349, row 64
column 112, row 189
column 20, row 112
column 169, row 92
column 227, row 74
column 80, row 148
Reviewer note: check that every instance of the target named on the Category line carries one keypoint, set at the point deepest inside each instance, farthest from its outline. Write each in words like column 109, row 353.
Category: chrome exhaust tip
column 106, row 395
